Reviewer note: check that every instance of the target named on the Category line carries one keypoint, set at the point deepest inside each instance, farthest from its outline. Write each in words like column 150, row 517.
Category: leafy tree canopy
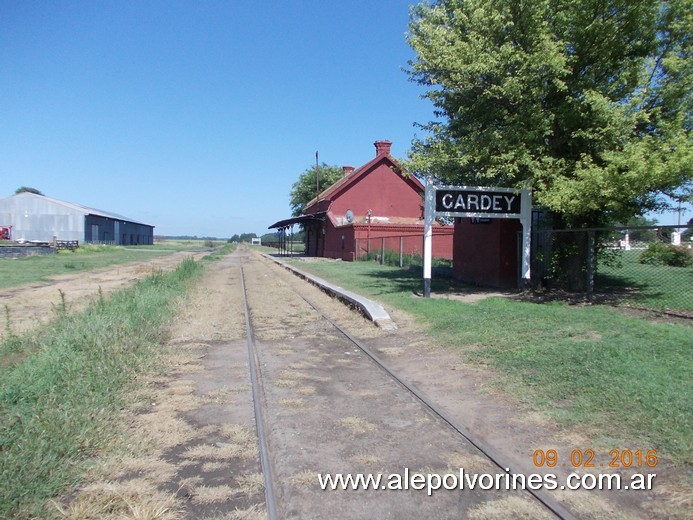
column 304, row 189
column 588, row 102
column 27, row 189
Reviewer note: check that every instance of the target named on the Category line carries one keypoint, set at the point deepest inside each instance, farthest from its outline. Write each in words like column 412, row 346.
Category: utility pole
column 317, row 177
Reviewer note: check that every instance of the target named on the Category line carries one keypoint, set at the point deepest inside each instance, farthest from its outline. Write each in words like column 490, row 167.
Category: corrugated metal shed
column 36, row 217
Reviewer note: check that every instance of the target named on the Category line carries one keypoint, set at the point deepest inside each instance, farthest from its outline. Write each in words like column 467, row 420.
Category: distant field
column 182, row 245
column 14, row 272
column 616, row 378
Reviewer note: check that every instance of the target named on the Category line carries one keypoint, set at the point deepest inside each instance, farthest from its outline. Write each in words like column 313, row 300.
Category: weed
column 61, row 308
column 8, row 322
column 100, row 300
column 60, row 402
column 12, row 343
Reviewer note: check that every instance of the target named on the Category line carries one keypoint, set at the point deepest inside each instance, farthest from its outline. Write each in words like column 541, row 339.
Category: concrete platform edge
column 372, row 310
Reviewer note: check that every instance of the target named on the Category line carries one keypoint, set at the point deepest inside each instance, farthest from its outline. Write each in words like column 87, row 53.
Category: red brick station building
column 379, row 207
column 372, row 207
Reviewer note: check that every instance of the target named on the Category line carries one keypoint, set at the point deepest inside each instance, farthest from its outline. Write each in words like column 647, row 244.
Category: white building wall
column 34, row 217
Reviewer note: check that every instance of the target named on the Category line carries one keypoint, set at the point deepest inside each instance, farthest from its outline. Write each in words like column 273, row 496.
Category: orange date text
column 588, row 459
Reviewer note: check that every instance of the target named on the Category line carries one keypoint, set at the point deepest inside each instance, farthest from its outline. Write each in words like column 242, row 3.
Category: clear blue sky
column 197, row 116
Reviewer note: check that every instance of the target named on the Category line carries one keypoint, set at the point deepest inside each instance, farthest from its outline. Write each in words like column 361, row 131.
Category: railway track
column 335, row 373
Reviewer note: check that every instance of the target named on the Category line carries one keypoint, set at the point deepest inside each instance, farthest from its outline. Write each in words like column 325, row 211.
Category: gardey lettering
column 476, row 202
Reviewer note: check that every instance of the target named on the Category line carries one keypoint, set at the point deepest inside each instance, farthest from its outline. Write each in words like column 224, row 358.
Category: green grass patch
column 219, row 253
column 614, row 376
column 59, row 404
column 653, row 286
column 19, row 271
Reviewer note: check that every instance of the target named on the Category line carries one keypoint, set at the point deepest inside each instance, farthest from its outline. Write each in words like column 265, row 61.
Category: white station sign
column 476, row 202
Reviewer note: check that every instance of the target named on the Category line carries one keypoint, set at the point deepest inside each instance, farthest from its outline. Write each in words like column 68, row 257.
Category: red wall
column 487, row 254
column 384, row 192
column 339, row 241
column 357, row 236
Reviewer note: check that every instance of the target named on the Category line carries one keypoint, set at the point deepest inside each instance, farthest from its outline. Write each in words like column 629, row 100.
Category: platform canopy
column 298, row 220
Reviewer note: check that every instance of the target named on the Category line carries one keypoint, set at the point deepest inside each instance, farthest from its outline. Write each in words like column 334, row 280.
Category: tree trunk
column 571, row 260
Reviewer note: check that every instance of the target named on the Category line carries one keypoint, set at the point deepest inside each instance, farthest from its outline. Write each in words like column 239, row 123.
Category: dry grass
column 511, row 508
column 590, row 504
column 146, row 467
column 293, row 404
column 287, row 382
column 303, row 479
column 164, row 430
column 212, row 494
column 220, row 451
column 239, row 434
column 356, row 425
column 243, row 440
column 133, row 499
column 472, row 463
column 190, row 482
column 301, row 365
column 222, row 395
column 251, row 484
column 244, row 387
column 306, row 390
column 252, row 513
column 211, row 467
column 677, row 494
column 394, row 351
column 178, row 388
column 366, row 459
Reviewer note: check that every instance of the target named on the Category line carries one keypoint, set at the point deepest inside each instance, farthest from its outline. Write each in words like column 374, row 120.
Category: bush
column 659, row 253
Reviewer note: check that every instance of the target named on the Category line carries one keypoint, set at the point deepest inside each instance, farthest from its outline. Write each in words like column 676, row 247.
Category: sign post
column 476, row 202
column 429, row 216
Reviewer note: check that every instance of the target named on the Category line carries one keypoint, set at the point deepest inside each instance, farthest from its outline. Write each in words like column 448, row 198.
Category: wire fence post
column 401, row 251
column 591, row 263
column 382, row 250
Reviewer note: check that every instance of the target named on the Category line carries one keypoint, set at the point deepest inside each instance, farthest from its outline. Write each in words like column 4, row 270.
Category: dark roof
column 297, row 220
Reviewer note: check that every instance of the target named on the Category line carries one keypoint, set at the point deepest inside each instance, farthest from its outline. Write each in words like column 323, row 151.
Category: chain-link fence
column 404, row 250
column 648, row 267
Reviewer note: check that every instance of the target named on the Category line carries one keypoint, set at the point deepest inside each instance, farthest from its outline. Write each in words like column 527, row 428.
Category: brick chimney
column 382, row 147
column 347, row 170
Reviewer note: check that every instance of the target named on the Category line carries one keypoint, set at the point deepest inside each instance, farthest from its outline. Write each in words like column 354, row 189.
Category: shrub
column 659, row 253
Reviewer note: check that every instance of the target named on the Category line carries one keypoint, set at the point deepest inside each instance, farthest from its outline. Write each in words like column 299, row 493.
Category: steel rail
column 258, row 394
column 487, row 451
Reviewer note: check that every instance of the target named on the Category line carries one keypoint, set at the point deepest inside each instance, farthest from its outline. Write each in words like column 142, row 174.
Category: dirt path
column 192, row 448
column 34, row 303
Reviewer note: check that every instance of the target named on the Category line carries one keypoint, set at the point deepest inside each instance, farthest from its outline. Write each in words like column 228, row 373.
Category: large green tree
column 587, row 102
column 304, row 189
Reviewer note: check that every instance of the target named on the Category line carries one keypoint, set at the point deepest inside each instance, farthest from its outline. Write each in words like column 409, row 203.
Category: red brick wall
column 412, row 241
column 382, row 191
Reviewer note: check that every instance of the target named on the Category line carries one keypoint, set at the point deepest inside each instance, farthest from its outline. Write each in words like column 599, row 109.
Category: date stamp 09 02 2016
column 586, row 459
